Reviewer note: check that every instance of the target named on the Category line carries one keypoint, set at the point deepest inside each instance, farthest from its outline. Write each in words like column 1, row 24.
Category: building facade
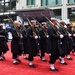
column 6, row 5
column 63, row 9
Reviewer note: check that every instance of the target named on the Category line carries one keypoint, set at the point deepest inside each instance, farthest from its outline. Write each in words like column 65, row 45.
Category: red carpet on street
column 42, row 68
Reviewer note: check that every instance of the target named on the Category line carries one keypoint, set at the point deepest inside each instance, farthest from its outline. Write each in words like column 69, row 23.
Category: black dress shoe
column 64, row 63
column 59, row 59
column 38, row 54
column 55, row 70
column 32, row 66
column 16, row 63
column 18, row 60
column 3, row 57
column 41, row 57
column 69, row 59
column 72, row 51
column 44, row 60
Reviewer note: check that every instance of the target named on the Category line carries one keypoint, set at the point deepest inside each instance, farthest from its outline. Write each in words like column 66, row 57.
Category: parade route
column 42, row 68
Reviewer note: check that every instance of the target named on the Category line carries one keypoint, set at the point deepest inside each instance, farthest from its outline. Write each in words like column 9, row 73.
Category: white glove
column 60, row 42
column 21, row 36
column 61, row 36
column 49, row 54
column 74, row 35
column 47, row 36
column 65, row 26
column 69, row 35
column 36, row 37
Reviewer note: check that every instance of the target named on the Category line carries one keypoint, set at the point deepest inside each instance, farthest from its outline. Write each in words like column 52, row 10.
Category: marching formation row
column 52, row 37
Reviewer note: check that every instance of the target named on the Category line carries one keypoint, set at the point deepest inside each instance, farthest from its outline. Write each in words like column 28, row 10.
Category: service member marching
column 33, row 42
column 16, row 43
column 43, row 37
column 54, row 46
column 3, row 44
column 62, row 42
column 73, row 35
column 25, row 40
column 68, row 42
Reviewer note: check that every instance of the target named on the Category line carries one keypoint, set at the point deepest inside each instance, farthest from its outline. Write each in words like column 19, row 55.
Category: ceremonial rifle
column 18, row 33
column 45, row 32
column 34, row 33
column 54, row 27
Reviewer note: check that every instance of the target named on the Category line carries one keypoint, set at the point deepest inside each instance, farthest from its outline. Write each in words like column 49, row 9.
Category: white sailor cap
column 33, row 20
column 1, row 24
column 67, row 21
column 59, row 20
column 17, row 22
column 43, row 23
column 25, row 23
column 4, row 27
column 53, row 18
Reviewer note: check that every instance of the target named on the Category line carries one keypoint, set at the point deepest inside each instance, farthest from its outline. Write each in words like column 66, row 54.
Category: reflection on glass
column 7, row 0
column 71, row 1
column 30, row 2
column 2, row 1
column 59, row 1
column 43, row 2
column 50, row 2
column 7, row 5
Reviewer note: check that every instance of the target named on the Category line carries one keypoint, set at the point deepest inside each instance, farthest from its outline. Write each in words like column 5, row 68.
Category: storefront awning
column 35, row 13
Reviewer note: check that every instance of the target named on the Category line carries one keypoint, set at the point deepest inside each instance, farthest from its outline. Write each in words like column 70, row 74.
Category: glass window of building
column 7, row 5
column 30, row 2
column 13, row 4
column 50, row 2
column 43, row 2
column 59, row 2
column 10, row 5
column 7, row 0
column 71, row 1
column 57, row 13
column 1, row 5
column 71, row 14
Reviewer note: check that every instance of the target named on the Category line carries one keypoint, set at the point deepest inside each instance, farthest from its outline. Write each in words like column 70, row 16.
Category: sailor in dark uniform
column 73, row 39
column 54, row 37
column 33, row 42
column 69, row 41
column 25, row 40
column 3, row 43
column 43, row 37
column 62, row 43
column 38, row 42
column 16, row 43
